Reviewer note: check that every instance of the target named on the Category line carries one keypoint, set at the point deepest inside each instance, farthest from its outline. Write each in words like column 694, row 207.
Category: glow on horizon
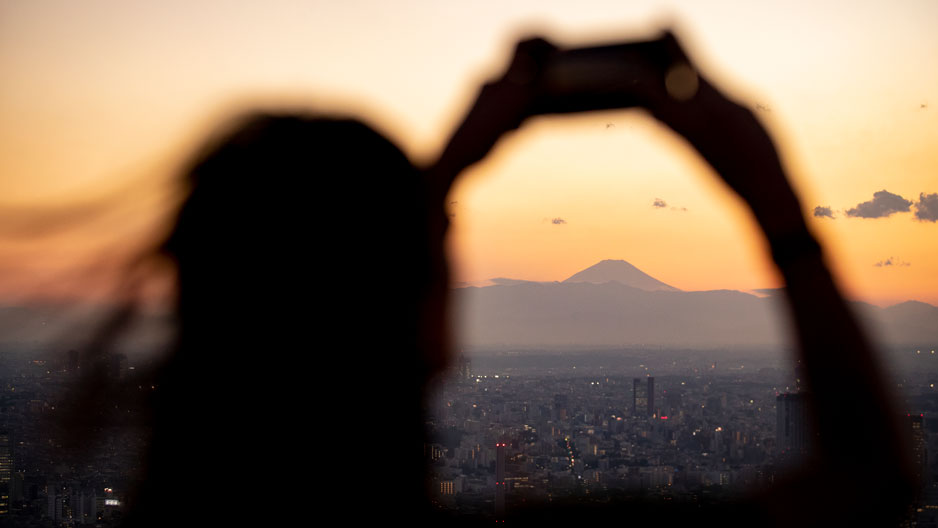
column 95, row 94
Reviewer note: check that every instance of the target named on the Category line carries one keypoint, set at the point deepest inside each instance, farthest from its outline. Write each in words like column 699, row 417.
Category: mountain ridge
column 621, row 271
column 589, row 312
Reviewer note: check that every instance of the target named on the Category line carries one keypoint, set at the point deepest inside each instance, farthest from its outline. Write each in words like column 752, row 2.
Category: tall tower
column 643, row 397
column 6, row 471
column 791, row 426
column 919, row 448
column 651, row 396
column 560, row 406
column 500, row 484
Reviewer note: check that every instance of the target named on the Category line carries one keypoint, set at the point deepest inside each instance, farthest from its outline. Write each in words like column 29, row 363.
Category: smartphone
column 614, row 76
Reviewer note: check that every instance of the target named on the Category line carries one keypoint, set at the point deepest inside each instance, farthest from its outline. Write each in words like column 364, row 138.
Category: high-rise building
column 500, row 484
column 643, row 397
column 560, row 406
column 6, row 471
column 463, row 367
column 792, row 435
column 446, row 487
column 919, row 447
column 651, row 396
column 674, row 403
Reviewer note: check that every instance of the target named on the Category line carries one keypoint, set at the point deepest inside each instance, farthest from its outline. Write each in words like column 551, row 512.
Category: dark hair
column 305, row 264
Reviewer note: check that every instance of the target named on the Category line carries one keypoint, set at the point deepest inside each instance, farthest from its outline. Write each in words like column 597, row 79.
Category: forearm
column 490, row 117
column 853, row 406
column 501, row 106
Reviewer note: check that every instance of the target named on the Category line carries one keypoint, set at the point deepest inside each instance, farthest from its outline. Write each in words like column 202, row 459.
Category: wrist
column 790, row 248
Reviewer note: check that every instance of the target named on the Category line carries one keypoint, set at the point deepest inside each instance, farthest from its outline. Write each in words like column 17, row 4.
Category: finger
column 529, row 60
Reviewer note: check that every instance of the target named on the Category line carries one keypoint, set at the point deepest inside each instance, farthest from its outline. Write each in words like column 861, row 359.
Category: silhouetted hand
column 501, row 106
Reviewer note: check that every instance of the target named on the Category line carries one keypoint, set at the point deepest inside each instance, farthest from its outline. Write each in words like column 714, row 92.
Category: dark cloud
column 892, row 262
column 926, row 208
column 823, row 212
column 883, row 204
column 558, row 221
column 661, row 204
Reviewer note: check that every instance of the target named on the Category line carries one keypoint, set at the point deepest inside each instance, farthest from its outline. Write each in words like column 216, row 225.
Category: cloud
column 883, row 204
column 926, row 208
column 823, row 212
column 892, row 262
column 661, row 204
column 558, row 221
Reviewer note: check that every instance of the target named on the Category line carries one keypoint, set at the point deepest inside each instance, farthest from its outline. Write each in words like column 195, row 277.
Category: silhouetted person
column 294, row 392
column 311, row 305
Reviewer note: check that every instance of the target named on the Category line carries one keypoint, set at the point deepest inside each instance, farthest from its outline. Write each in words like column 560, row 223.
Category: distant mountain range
column 622, row 272
column 614, row 303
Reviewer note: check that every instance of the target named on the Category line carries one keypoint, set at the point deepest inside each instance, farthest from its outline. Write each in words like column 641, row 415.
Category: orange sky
column 106, row 96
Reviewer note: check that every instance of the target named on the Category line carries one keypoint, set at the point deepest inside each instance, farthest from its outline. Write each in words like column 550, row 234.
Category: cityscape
column 49, row 475
column 508, row 430
column 600, row 426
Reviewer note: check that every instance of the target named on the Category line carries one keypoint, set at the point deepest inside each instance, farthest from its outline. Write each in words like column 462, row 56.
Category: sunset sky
column 101, row 101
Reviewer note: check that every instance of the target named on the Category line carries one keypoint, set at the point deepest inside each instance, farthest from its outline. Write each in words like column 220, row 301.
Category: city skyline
column 716, row 431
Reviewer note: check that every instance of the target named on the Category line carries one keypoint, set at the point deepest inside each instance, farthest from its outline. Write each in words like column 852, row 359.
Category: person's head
column 318, row 211
column 310, row 294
